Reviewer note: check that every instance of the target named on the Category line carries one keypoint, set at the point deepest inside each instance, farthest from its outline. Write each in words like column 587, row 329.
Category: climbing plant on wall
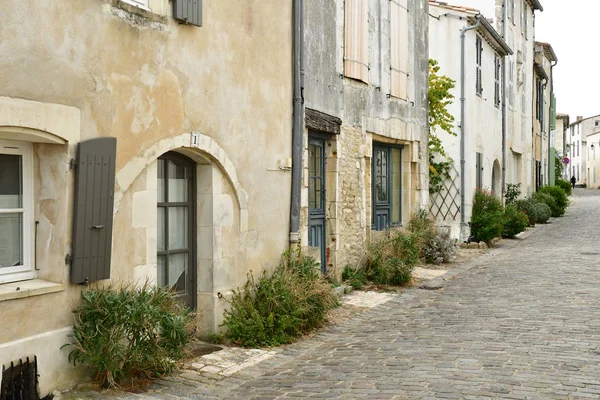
column 440, row 121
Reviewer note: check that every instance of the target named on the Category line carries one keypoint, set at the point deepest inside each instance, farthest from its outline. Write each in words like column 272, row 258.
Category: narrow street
column 520, row 325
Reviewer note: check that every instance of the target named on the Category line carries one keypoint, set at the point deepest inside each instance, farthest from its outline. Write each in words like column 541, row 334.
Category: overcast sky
column 571, row 28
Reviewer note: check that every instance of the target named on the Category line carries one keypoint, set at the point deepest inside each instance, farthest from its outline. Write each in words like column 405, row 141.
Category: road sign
column 565, row 160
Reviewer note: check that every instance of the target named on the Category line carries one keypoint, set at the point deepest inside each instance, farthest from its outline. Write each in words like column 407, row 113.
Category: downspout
column 504, row 116
column 298, row 121
column 552, row 116
column 464, row 30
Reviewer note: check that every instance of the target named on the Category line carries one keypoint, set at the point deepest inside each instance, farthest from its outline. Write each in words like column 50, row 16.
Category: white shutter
column 399, row 48
column 356, row 40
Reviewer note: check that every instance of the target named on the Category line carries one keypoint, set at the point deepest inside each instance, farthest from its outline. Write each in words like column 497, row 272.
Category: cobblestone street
column 521, row 323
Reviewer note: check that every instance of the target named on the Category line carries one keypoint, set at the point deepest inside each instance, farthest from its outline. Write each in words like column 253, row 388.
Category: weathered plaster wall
column 145, row 79
column 367, row 111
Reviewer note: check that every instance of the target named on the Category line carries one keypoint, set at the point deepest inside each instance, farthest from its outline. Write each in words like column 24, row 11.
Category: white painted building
column 481, row 129
column 579, row 137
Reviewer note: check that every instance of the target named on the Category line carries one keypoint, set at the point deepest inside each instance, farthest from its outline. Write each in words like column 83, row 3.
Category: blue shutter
column 93, row 216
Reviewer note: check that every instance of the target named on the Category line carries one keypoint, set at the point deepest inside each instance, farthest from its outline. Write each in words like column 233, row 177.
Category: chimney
column 579, row 118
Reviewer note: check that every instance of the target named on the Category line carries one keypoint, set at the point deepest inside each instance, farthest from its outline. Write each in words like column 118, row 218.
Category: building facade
column 560, row 142
column 366, row 166
column 577, row 146
column 593, row 159
column 481, row 130
column 192, row 124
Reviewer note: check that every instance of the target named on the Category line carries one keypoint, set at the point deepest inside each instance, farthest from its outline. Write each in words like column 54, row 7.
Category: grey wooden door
column 316, row 198
column 176, row 253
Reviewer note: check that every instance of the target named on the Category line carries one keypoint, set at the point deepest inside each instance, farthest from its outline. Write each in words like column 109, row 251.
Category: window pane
column 11, row 242
column 318, row 194
column 396, row 185
column 382, row 189
column 178, row 182
column 161, row 271
column 11, row 181
column 161, row 228
column 178, row 228
column 318, row 157
column 178, row 271
column 161, row 180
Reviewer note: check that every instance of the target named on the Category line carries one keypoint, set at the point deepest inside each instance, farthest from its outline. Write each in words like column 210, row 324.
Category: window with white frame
column 138, row 3
column 16, row 212
column 478, row 60
column 497, row 66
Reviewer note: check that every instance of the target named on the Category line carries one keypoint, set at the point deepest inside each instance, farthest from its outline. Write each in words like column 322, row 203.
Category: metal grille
column 20, row 380
column 445, row 204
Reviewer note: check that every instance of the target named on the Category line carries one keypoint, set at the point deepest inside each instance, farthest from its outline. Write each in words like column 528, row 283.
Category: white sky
column 570, row 27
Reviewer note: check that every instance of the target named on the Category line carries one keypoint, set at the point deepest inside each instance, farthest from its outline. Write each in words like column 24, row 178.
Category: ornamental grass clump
column 390, row 260
column 435, row 245
column 128, row 335
column 278, row 307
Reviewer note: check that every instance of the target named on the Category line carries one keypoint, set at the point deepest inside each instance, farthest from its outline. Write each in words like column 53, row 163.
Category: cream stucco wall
column 220, row 94
column 483, row 120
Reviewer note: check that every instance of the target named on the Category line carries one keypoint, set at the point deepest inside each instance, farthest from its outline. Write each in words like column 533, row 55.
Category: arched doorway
column 176, row 228
column 496, row 179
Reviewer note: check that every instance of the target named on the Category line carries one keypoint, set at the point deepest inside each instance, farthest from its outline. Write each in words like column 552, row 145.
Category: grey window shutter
column 93, row 216
column 188, row 11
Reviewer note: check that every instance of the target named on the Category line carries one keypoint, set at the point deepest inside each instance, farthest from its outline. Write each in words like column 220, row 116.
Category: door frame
column 379, row 207
column 321, row 213
column 191, row 280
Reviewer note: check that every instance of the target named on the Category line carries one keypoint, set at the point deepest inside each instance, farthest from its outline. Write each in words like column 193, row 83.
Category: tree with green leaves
column 440, row 119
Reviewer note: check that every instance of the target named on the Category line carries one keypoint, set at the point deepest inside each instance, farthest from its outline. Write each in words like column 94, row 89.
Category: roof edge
column 494, row 35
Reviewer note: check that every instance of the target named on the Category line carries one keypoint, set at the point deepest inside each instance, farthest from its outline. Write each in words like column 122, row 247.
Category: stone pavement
column 521, row 323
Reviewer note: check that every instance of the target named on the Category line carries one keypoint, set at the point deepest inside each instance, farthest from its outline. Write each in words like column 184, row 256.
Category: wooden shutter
column 93, row 216
column 356, row 40
column 188, row 11
column 399, row 48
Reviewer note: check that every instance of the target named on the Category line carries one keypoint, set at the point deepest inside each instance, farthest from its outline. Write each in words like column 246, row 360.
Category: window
column 511, row 83
column 176, row 226
column 138, row 3
column 399, row 48
column 478, row 171
column 596, row 123
column 512, row 10
column 497, row 81
column 356, row 40
column 538, row 99
column 478, row 57
column 386, row 186
column 16, row 212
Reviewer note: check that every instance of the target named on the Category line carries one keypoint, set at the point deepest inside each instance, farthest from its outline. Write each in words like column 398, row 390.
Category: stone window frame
column 27, row 270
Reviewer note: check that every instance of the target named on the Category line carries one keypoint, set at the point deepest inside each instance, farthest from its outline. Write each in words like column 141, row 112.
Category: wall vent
column 20, row 380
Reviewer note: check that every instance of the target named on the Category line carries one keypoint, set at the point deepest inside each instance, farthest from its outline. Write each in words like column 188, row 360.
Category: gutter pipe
column 504, row 115
column 298, row 121
column 463, row 31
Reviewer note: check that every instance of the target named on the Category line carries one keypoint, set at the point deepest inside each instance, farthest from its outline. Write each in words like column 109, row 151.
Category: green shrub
column 529, row 207
column 390, row 260
column 566, row 186
column 354, row 277
column 515, row 221
column 545, row 198
column 486, row 217
column 513, row 191
column 562, row 202
column 128, row 334
column 543, row 212
column 277, row 308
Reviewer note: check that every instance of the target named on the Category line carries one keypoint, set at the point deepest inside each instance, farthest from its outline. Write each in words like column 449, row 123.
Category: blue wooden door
column 316, row 198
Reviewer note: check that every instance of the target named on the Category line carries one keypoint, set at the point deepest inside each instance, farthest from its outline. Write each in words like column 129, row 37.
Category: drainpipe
column 504, row 117
column 551, row 162
column 464, row 30
column 298, row 122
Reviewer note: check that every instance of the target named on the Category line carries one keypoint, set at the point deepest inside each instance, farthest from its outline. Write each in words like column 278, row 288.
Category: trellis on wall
column 445, row 204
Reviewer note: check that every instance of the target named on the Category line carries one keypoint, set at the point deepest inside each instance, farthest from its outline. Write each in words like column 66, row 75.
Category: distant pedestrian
column 573, row 180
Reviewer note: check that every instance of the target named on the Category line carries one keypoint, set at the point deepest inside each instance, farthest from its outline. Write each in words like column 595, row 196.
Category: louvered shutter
column 356, row 40
column 188, row 11
column 399, row 48
column 93, row 216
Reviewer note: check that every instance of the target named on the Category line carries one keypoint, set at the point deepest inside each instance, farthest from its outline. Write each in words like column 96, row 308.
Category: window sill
column 34, row 287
